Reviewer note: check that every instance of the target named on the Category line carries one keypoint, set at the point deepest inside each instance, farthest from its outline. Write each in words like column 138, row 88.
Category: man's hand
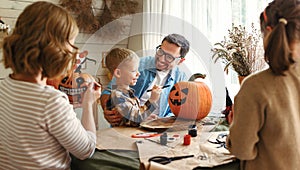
column 112, row 116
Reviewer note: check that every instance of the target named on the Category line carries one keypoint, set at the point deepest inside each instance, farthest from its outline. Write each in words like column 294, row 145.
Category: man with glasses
column 160, row 70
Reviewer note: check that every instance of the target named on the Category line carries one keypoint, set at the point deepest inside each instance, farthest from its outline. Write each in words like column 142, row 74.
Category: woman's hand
column 91, row 95
column 230, row 116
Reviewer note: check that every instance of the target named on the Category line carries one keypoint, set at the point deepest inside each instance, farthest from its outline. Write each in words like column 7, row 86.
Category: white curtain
column 211, row 17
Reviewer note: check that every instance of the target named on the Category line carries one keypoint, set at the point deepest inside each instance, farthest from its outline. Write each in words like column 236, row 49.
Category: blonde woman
column 38, row 126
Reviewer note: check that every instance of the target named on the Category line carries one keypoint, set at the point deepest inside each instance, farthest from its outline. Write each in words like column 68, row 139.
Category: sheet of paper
column 205, row 153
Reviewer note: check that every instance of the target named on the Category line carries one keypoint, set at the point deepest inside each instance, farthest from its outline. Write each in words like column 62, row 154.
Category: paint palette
column 167, row 123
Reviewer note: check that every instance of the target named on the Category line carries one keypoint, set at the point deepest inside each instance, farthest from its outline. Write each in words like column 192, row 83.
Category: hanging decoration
column 84, row 13
column 113, row 9
column 88, row 21
column 120, row 8
column 4, row 31
column 110, row 27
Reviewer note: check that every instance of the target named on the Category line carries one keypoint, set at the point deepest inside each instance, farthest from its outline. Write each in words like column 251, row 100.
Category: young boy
column 123, row 65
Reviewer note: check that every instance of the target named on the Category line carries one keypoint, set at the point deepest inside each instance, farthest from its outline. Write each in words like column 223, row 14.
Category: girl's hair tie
column 283, row 20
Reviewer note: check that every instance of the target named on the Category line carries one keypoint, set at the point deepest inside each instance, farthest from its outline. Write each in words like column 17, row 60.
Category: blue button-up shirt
column 147, row 70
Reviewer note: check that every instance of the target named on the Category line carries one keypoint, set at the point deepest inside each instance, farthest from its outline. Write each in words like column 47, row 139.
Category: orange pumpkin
column 74, row 85
column 190, row 100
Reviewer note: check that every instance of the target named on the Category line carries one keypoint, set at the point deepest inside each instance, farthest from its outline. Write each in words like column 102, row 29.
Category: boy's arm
column 130, row 108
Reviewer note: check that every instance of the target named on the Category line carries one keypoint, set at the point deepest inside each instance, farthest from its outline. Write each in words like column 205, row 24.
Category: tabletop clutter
column 174, row 144
column 194, row 137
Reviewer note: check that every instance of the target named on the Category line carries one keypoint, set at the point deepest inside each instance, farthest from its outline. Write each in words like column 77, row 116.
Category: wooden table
column 118, row 141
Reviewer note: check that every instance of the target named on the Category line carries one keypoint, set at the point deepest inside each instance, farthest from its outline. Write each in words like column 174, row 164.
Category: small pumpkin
column 190, row 100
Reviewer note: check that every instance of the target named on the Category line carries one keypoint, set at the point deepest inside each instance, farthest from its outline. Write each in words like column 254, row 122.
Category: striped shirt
column 129, row 106
column 38, row 128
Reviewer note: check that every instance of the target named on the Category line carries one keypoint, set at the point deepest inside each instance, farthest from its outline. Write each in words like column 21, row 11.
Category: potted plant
column 241, row 50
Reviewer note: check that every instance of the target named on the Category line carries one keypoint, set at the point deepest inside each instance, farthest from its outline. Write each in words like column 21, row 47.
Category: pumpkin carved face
column 74, row 85
column 178, row 97
column 190, row 100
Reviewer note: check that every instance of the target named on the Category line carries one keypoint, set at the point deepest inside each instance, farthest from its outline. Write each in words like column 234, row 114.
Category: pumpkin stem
column 197, row 75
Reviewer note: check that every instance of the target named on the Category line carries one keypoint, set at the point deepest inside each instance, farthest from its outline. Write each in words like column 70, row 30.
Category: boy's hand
column 155, row 94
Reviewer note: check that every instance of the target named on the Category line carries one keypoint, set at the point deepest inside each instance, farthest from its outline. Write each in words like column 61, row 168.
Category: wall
column 97, row 44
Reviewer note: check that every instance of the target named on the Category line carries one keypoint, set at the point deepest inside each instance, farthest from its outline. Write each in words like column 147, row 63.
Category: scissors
column 165, row 160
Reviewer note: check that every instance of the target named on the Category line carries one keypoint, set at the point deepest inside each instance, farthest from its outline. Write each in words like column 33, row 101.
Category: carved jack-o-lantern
column 74, row 83
column 190, row 100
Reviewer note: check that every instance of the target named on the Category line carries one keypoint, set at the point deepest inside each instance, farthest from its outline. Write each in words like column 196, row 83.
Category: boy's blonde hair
column 116, row 56
column 40, row 41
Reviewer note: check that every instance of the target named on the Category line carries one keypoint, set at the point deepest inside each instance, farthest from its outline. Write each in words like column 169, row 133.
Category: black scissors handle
column 165, row 160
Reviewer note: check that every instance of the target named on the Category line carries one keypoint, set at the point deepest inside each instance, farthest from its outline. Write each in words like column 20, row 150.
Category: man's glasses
column 168, row 57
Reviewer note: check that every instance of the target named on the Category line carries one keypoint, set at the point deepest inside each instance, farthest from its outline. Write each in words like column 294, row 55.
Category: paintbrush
column 161, row 88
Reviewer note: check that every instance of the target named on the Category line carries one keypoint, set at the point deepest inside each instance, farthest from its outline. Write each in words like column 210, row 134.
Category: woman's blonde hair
column 40, row 41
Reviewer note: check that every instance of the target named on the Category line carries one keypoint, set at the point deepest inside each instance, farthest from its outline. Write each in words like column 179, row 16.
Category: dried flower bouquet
column 243, row 51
